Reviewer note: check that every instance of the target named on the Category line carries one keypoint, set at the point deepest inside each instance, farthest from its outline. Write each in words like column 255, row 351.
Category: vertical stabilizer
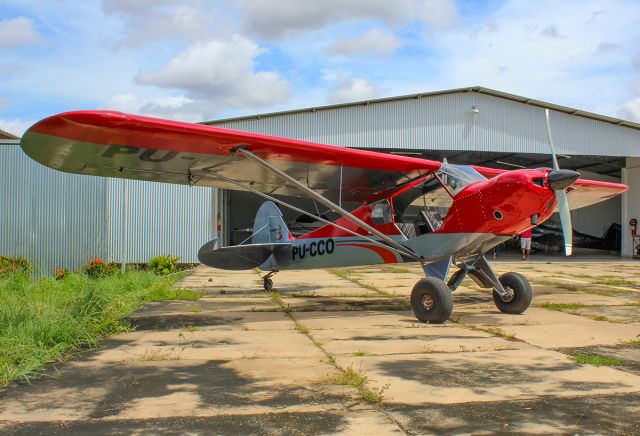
column 269, row 227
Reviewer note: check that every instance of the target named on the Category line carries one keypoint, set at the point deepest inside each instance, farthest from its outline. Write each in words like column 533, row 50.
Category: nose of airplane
column 562, row 179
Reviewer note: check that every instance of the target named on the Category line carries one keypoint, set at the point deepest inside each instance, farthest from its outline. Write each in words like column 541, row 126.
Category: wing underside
column 113, row 144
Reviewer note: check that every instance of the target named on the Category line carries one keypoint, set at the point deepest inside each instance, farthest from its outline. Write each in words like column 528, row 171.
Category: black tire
column 522, row 293
column 267, row 284
column 431, row 301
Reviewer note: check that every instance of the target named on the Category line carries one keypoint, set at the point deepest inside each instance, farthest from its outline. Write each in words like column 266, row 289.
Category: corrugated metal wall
column 150, row 219
column 52, row 218
column 447, row 122
column 57, row 219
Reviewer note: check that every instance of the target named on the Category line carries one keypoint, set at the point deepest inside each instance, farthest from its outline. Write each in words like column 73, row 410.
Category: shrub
column 164, row 264
column 10, row 265
column 98, row 268
column 61, row 273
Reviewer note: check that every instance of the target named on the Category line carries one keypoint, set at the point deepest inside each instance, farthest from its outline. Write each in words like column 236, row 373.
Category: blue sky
column 195, row 60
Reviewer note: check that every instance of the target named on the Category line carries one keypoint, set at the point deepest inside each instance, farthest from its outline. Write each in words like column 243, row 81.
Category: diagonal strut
column 328, row 203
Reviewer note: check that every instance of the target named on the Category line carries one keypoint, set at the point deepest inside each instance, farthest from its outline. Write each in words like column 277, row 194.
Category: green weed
column 43, row 319
column 302, row 328
column 497, row 331
column 397, row 270
column 634, row 343
column 595, row 360
column 563, row 306
column 357, row 380
column 614, row 281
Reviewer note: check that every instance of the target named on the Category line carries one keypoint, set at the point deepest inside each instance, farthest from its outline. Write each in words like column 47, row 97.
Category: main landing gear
column 432, row 300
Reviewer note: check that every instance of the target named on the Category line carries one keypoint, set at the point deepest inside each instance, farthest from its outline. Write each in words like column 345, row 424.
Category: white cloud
column 518, row 49
column 438, row 14
column 18, row 32
column 132, row 7
column 635, row 61
column 178, row 107
column 222, row 73
column 275, row 20
column 631, row 110
column 352, row 89
column 15, row 126
column 373, row 42
column 148, row 20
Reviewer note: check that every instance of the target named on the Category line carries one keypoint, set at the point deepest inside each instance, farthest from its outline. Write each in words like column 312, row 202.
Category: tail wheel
column 431, row 301
column 267, row 283
column 519, row 293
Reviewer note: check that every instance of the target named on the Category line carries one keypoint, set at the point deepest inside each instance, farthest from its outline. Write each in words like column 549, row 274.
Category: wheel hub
column 427, row 302
column 508, row 296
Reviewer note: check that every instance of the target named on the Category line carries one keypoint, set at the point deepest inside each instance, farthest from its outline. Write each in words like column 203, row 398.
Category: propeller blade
column 559, row 180
column 554, row 158
column 565, row 221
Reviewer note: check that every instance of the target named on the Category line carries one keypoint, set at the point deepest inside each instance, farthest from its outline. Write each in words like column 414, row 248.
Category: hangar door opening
column 242, row 207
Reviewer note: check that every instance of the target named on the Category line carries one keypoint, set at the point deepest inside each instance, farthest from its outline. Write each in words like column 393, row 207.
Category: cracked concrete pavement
column 243, row 361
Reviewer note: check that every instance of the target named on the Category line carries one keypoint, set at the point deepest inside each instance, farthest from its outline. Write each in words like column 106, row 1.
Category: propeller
column 559, row 181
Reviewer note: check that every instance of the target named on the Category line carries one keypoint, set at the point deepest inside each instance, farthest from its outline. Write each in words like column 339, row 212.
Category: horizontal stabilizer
column 237, row 257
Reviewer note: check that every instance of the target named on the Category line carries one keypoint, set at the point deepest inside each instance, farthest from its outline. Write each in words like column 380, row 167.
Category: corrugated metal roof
column 6, row 135
column 476, row 89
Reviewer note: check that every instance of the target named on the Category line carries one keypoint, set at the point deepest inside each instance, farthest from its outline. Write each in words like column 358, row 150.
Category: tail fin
column 269, row 227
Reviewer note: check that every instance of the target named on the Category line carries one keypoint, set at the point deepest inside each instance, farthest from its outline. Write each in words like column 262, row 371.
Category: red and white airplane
column 464, row 210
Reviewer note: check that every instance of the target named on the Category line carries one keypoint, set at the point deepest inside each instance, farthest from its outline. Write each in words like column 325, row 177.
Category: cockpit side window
column 454, row 178
column 382, row 213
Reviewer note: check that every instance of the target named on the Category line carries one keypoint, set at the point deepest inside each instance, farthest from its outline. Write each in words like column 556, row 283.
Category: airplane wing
column 582, row 193
column 114, row 144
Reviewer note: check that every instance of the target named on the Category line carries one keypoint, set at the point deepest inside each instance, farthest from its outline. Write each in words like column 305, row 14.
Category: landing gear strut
column 512, row 292
column 432, row 300
column 267, row 283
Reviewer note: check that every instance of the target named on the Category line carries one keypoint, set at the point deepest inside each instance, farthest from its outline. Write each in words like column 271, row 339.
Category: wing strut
column 331, row 205
column 304, row 212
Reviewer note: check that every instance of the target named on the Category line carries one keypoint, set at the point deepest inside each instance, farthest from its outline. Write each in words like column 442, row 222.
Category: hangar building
column 58, row 219
column 473, row 125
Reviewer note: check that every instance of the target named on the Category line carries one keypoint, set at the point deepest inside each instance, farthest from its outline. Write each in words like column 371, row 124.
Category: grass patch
column 397, row 269
column 497, row 331
column 43, row 320
column 595, row 360
column 633, row 343
column 276, row 297
column 361, row 353
column 159, row 294
column 612, row 281
column 555, row 284
column 357, row 380
column 351, row 276
column 302, row 328
column 158, row 355
column 563, row 306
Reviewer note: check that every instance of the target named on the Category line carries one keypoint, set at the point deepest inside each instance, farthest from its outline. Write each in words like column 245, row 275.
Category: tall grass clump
column 43, row 319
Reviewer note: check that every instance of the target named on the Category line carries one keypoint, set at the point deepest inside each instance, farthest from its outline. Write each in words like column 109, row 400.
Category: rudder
column 269, row 227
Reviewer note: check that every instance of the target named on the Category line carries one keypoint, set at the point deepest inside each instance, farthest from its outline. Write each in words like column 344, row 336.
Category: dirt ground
column 339, row 351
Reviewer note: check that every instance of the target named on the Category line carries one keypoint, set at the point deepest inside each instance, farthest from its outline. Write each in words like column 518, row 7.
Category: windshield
column 457, row 177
